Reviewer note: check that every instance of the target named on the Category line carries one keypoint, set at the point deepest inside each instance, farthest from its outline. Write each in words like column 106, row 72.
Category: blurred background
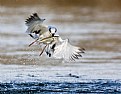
column 92, row 24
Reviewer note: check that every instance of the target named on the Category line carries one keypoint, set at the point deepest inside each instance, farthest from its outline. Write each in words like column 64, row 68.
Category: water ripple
column 88, row 86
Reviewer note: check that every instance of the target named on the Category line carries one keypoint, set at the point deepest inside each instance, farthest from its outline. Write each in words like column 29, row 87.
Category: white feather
column 35, row 24
column 66, row 51
column 57, row 47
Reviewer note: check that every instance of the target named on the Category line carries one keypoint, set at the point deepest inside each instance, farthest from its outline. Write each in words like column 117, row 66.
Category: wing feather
column 35, row 25
column 67, row 51
column 33, row 18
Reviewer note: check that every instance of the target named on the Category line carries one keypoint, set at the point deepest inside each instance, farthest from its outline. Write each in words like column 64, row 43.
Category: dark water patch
column 86, row 86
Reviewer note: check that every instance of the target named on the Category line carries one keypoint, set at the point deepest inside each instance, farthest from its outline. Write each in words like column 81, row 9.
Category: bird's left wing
column 34, row 18
column 35, row 25
column 67, row 51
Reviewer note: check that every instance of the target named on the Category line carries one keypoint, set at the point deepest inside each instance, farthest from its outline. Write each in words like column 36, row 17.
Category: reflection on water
column 95, row 26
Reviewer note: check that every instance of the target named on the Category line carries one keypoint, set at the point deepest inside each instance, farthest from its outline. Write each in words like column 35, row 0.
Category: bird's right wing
column 67, row 51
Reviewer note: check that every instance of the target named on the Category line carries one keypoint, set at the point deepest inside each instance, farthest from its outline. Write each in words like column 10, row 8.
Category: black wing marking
column 53, row 47
column 34, row 17
column 77, row 54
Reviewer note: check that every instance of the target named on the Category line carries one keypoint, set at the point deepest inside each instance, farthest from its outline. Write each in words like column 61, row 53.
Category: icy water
column 93, row 26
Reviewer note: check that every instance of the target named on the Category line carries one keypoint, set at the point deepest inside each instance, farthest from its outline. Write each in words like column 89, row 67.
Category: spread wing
column 35, row 25
column 67, row 51
column 33, row 19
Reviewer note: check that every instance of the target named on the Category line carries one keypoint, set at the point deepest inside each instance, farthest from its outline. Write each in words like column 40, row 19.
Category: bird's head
column 52, row 30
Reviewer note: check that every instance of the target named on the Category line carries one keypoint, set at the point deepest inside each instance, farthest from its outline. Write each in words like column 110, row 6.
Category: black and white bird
column 54, row 45
column 36, row 28
column 58, row 48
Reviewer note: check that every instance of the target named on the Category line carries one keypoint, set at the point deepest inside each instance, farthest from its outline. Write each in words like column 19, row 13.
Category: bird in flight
column 54, row 45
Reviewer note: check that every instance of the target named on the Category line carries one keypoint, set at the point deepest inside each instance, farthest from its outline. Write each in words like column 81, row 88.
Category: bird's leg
column 43, row 50
column 33, row 42
column 48, row 51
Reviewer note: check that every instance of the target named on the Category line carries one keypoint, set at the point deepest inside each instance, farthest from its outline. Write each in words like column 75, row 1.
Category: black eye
column 50, row 30
column 55, row 30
